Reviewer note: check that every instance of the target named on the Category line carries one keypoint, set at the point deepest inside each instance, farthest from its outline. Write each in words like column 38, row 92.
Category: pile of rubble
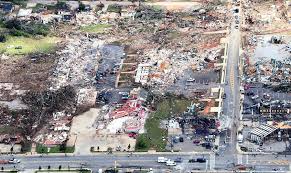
column 77, row 63
column 127, row 117
column 57, row 132
column 269, row 62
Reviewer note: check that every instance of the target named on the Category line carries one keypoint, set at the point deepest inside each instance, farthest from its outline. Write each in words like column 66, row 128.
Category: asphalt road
column 261, row 163
column 104, row 161
column 232, row 102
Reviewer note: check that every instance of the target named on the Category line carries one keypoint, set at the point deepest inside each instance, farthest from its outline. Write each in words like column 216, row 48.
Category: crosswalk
column 239, row 159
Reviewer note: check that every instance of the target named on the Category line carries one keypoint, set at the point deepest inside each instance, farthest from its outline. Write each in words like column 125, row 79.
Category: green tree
column 141, row 143
column 81, row 6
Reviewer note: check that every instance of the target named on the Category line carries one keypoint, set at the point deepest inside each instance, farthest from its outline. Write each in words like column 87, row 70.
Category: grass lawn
column 25, row 45
column 57, row 149
column 152, row 139
column 95, row 28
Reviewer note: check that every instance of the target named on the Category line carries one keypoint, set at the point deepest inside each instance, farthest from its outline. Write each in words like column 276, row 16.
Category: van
column 162, row 160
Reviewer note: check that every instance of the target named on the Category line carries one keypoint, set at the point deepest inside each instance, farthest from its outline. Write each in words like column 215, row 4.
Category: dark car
column 201, row 160
column 181, row 139
column 192, row 160
column 244, row 149
column 224, row 96
column 197, row 142
column 178, row 160
column 207, row 145
column 175, row 140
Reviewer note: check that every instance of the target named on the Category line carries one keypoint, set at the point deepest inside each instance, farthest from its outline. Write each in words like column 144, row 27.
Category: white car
column 162, row 160
column 170, row 163
column 14, row 161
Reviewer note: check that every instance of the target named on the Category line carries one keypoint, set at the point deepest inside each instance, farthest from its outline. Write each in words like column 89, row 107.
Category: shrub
column 114, row 8
column 2, row 38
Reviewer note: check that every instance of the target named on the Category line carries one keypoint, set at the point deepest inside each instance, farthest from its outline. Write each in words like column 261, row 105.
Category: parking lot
column 255, row 94
column 190, row 144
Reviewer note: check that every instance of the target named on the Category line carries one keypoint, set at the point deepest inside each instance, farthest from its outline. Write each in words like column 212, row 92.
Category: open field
column 25, row 45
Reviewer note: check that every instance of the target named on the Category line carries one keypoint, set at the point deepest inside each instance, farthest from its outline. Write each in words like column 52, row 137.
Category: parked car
column 236, row 10
column 207, row 145
column 196, row 141
column 224, row 96
column 175, row 140
column 255, row 97
column 181, row 139
column 132, row 135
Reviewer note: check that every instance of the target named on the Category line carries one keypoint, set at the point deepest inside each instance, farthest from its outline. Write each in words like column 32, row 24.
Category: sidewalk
column 117, row 153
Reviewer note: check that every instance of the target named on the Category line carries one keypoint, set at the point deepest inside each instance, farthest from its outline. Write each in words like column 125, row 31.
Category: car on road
column 181, row 139
column 170, row 163
column 162, row 159
column 201, row 160
column 192, row 160
column 178, row 160
column 236, row 22
column 14, row 161
column 236, row 26
column 224, row 96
